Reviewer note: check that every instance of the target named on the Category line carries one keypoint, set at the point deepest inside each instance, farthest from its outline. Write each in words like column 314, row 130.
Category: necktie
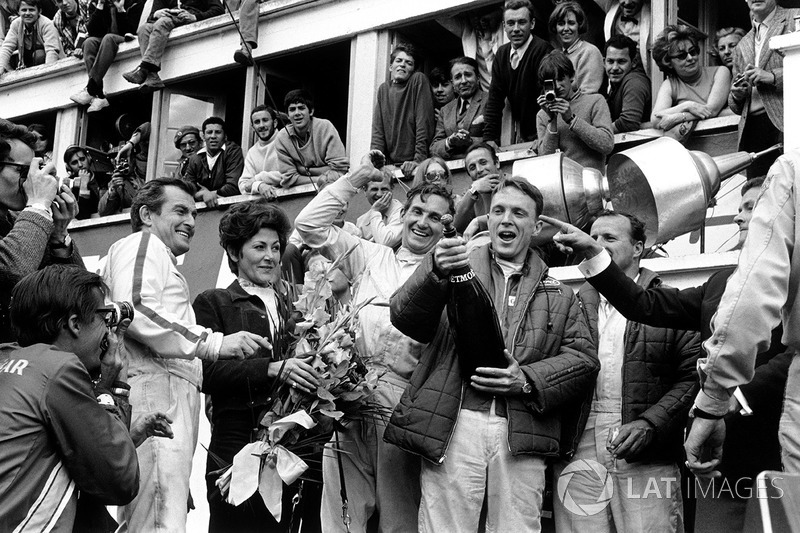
column 514, row 60
column 462, row 107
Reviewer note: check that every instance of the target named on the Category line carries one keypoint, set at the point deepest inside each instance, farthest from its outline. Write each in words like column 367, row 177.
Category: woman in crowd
column 575, row 123
column 43, row 148
column 725, row 42
column 567, row 24
column 434, row 171
column 690, row 92
column 253, row 235
column 33, row 36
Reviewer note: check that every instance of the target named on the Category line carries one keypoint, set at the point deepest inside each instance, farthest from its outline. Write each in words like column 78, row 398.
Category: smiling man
column 261, row 174
column 309, row 148
column 461, row 121
column 486, row 439
column 165, row 346
column 629, row 95
column 216, row 168
column 379, row 477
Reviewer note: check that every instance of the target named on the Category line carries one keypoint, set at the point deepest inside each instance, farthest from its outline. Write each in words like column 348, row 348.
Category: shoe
column 243, row 57
column 136, row 76
column 152, row 82
column 97, row 104
column 82, row 98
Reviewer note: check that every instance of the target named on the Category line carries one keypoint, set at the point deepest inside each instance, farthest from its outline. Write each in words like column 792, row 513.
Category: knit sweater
column 629, row 102
column 404, row 121
column 46, row 33
column 588, row 140
column 260, row 164
column 520, row 87
column 322, row 153
column 588, row 63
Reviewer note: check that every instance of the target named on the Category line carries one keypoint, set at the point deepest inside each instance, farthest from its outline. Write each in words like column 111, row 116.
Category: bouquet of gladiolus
column 299, row 423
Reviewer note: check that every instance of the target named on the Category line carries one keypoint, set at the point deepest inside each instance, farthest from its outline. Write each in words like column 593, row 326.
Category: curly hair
column 559, row 14
column 667, row 41
column 422, row 169
column 427, row 189
column 724, row 32
column 10, row 131
column 242, row 221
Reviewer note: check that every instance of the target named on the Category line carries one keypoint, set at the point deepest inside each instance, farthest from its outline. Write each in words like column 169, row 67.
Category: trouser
column 789, row 428
column 599, row 494
column 153, row 37
column 479, row 464
column 758, row 134
column 98, row 55
column 378, row 476
column 164, row 464
column 248, row 19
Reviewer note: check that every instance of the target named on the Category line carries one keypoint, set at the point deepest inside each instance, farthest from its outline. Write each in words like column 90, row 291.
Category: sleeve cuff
column 711, row 405
column 213, row 345
column 594, row 266
column 745, row 410
column 40, row 209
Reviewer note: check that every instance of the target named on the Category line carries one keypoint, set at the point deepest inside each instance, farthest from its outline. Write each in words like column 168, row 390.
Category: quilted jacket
column 659, row 381
column 545, row 331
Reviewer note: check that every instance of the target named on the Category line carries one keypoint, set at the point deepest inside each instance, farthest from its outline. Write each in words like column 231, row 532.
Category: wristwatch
column 66, row 243
column 527, row 388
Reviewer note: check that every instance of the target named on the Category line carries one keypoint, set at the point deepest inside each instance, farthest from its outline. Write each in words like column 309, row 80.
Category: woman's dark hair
column 244, row 220
column 560, row 12
column 667, row 44
column 555, row 66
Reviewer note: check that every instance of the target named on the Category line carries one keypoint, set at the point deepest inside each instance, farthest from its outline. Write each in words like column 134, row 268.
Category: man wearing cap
column 188, row 141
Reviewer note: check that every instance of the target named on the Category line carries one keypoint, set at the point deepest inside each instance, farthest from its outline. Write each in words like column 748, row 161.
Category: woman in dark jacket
column 253, row 235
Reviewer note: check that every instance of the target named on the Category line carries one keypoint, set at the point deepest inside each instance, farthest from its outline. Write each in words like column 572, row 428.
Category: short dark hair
column 524, row 186
column 268, row 109
column 152, row 195
column 463, row 60
column 482, row 146
column 638, row 227
column 10, row 131
column 427, row 189
column 298, row 96
column 668, row 39
column 519, row 4
column 214, row 120
column 622, row 42
column 243, row 220
column 556, row 66
column 753, row 183
column 40, row 129
column 438, row 77
column 407, row 48
column 33, row 3
column 43, row 301
column 70, row 152
column 560, row 13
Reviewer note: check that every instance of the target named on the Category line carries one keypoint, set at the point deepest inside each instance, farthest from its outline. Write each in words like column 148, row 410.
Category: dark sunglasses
column 435, row 175
column 683, row 54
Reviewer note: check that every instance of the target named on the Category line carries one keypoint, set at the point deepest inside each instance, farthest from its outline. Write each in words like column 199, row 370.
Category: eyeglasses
column 109, row 315
column 435, row 175
column 683, row 54
column 22, row 168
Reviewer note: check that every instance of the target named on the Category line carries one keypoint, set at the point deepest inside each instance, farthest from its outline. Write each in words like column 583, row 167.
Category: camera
column 119, row 312
column 550, row 91
column 122, row 167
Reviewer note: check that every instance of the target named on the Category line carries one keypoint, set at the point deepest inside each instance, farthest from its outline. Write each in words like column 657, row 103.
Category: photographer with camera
column 88, row 185
column 583, row 131
column 122, row 189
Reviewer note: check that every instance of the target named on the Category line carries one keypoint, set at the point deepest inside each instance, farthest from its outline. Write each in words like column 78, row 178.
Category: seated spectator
column 88, row 185
column 248, row 29
column 631, row 18
column 309, row 148
column 403, row 123
column 382, row 223
column 725, row 41
column 153, row 35
column 433, row 171
column 108, row 24
column 629, row 95
column 460, row 123
column 442, row 90
column 583, row 131
column 691, row 92
column 71, row 21
column 43, row 148
column 261, row 170
column 188, row 141
column 567, row 23
column 33, row 37
column 216, row 168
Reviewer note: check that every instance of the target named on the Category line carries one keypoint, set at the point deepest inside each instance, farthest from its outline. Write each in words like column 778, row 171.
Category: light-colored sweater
column 46, row 34
column 322, row 154
column 260, row 165
column 588, row 63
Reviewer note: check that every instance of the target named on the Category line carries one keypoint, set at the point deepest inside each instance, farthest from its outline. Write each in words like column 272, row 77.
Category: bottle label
column 461, row 278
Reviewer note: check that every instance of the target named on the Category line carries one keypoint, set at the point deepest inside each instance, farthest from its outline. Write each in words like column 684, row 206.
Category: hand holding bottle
column 450, row 254
column 503, row 381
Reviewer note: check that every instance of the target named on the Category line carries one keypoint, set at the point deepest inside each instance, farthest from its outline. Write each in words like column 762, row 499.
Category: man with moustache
column 379, row 477
column 188, row 141
column 261, row 174
column 629, row 95
column 216, row 168
column 461, row 121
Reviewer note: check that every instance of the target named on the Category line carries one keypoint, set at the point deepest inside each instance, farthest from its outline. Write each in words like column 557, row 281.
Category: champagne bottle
column 473, row 319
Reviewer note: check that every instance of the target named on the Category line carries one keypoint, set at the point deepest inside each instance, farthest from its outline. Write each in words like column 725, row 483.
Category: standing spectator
column 33, row 36
column 461, row 122
column 575, row 123
column 71, row 21
column 641, row 402
column 88, row 185
column 108, row 24
column 43, row 147
column 379, row 477
column 483, row 168
column 757, row 91
column 165, row 346
column 403, row 123
column 253, row 235
column 36, row 235
column 442, row 87
column 725, row 42
column 631, row 18
column 216, row 168
column 308, row 146
column 486, row 438
column 629, row 94
column 691, row 92
column 188, row 141
column 153, row 35
column 568, row 23
column 261, row 174
column 60, row 433
column 383, row 222
column 514, row 75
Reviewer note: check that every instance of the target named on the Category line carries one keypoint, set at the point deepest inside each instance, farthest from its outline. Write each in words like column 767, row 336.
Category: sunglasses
column 435, row 175
column 683, row 54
